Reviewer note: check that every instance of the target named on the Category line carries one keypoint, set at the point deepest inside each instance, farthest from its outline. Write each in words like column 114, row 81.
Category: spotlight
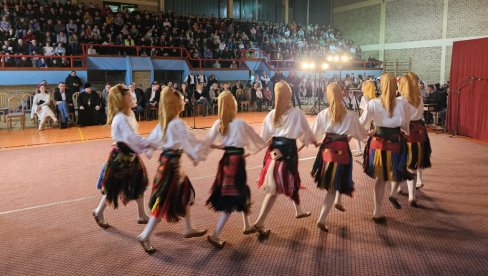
column 336, row 58
column 304, row 65
column 311, row 65
column 325, row 66
column 330, row 58
column 344, row 58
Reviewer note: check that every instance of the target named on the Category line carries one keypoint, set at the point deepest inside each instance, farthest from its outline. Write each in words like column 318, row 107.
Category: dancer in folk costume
column 369, row 93
column 230, row 192
column 123, row 175
column 418, row 143
column 332, row 169
column 172, row 192
column 385, row 155
column 281, row 127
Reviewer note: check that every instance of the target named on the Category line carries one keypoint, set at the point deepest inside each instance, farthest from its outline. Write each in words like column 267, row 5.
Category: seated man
column 201, row 97
column 64, row 103
column 89, row 107
column 137, row 99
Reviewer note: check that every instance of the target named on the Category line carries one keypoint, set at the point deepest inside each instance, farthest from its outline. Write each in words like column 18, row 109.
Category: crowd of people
column 47, row 30
column 201, row 92
column 397, row 150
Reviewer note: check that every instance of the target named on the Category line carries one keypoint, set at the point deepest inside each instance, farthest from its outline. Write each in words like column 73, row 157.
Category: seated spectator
column 64, row 103
column 41, row 63
column 40, row 106
column 152, row 95
column 201, row 97
column 137, row 99
column 104, row 97
column 187, row 97
column 48, row 50
column 89, row 107
column 91, row 51
column 60, row 50
column 216, row 64
column 34, row 48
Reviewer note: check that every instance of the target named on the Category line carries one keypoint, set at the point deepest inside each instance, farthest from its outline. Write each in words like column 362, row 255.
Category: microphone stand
column 461, row 85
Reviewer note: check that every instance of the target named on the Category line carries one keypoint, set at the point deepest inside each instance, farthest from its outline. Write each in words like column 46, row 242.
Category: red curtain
column 467, row 112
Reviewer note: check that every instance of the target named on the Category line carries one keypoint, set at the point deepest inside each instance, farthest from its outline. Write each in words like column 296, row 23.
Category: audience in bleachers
column 57, row 29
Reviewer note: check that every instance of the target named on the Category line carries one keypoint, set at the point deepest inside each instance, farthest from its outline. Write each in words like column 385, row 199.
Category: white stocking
column 245, row 220
column 151, row 224
column 101, row 207
column 394, row 189
column 419, row 178
column 379, row 192
column 338, row 198
column 324, row 211
column 220, row 224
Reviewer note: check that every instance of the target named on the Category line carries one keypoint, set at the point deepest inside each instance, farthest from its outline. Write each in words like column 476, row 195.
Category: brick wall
column 467, row 18
column 425, row 61
column 360, row 25
column 142, row 78
column 367, row 54
column 411, row 22
column 21, row 89
column 448, row 62
column 423, row 21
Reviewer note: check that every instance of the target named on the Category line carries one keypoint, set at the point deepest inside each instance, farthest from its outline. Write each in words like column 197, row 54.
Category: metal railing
column 9, row 62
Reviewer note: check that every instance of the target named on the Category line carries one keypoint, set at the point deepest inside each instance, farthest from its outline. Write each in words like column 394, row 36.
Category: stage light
column 336, row 58
column 344, row 58
column 304, row 65
column 330, row 58
column 311, row 66
column 325, row 66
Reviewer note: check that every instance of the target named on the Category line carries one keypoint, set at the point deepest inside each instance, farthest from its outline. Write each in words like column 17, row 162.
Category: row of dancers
column 397, row 149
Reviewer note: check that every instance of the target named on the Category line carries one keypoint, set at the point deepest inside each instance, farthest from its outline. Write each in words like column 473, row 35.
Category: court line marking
column 82, row 138
column 92, row 197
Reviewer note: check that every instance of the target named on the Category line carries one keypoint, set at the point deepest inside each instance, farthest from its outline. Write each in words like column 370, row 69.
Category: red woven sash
column 337, row 152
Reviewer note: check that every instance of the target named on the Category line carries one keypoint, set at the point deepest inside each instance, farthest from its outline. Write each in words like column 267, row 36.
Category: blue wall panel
column 33, row 77
column 107, row 63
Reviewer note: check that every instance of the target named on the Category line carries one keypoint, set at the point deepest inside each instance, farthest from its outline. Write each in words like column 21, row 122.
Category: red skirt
column 418, row 146
column 280, row 176
column 230, row 192
column 171, row 192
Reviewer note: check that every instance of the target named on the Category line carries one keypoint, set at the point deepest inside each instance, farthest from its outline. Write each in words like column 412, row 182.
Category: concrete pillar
column 230, row 9
column 285, row 11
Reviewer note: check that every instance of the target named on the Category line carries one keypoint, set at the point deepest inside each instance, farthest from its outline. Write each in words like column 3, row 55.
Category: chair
column 200, row 107
column 4, row 105
column 243, row 99
column 15, row 110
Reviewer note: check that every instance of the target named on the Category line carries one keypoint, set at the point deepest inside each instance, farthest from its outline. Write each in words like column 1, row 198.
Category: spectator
column 48, row 50
column 89, row 107
column 40, row 106
column 191, row 80
column 73, row 82
column 201, row 97
column 104, row 97
column 34, row 48
column 60, row 50
column 153, row 94
column 41, row 63
column 217, row 64
column 137, row 100
column 64, row 103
